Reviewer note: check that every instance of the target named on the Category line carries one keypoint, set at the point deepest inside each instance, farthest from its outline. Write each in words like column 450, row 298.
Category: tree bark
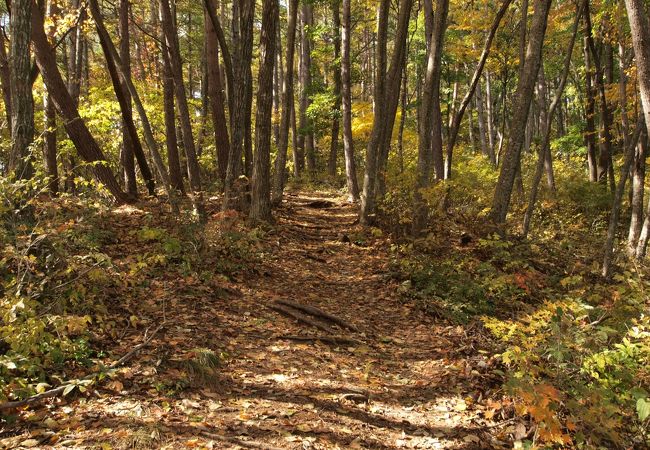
column 260, row 183
column 280, row 173
column 521, row 106
column 215, row 93
column 235, row 195
column 370, row 177
column 5, row 79
column 336, row 127
column 306, row 18
column 346, row 100
column 193, row 170
column 127, row 155
column 49, row 144
column 640, row 28
column 430, row 121
column 22, row 102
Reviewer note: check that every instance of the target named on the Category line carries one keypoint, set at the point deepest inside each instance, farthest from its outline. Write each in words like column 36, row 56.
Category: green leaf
column 643, row 408
column 41, row 387
column 69, row 388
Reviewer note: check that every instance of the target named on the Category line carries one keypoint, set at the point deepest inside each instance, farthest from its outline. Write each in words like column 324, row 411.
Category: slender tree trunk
column 49, row 144
column 169, row 111
column 287, row 106
column 618, row 198
column 641, row 41
column 110, row 49
column 193, row 170
column 235, row 192
column 638, row 191
column 260, row 183
column 305, row 125
column 215, row 94
column 346, row 91
column 429, row 120
column 334, row 143
column 439, row 27
column 523, row 98
column 370, row 177
column 545, row 148
column 475, row 86
column 5, row 79
column 605, row 167
column 127, row 155
column 590, row 113
column 124, row 99
column 84, row 142
column 392, row 89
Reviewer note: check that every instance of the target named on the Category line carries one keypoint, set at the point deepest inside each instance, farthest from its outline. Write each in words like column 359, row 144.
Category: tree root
column 301, row 317
column 317, row 312
column 335, row 340
column 61, row 389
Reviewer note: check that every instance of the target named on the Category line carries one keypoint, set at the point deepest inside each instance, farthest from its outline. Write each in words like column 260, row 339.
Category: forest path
column 410, row 382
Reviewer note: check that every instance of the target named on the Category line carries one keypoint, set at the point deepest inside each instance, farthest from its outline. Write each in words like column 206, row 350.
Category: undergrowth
column 76, row 275
column 576, row 348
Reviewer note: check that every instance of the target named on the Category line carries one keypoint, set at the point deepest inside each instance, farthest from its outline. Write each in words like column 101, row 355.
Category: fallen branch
column 317, row 312
column 59, row 390
column 300, row 317
column 336, row 340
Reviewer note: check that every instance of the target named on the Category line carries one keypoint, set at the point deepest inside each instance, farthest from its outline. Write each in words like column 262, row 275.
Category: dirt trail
column 411, row 382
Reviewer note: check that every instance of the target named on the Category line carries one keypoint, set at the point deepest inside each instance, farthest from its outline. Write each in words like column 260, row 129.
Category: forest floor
column 403, row 380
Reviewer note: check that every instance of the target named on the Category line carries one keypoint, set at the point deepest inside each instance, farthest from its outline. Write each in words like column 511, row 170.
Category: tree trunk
column 49, row 144
column 429, row 120
column 83, row 141
column 521, row 106
column 260, row 183
column 618, row 198
column 5, row 79
column 287, row 105
column 370, row 177
column 475, row 86
column 193, row 170
column 215, row 93
column 641, row 41
column 169, row 110
column 22, row 102
column 334, row 144
column 638, row 191
column 392, row 89
column 128, row 126
column 346, row 92
column 590, row 112
column 605, row 167
column 109, row 48
column 439, row 27
column 127, row 156
column 305, row 126
column 545, row 148
column 235, row 190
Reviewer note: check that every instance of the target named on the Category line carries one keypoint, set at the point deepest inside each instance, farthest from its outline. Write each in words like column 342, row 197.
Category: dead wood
column 301, row 317
column 317, row 312
column 59, row 390
column 335, row 340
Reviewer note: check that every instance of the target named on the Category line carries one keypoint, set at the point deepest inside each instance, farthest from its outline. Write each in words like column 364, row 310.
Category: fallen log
column 300, row 317
column 317, row 312
column 55, row 392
